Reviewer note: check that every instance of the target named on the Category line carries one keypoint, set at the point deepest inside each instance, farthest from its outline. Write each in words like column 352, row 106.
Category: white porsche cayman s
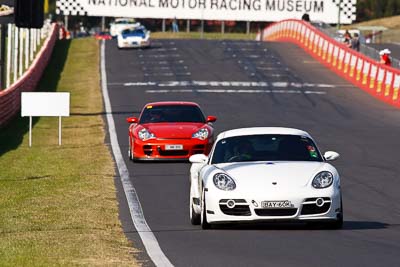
column 265, row 174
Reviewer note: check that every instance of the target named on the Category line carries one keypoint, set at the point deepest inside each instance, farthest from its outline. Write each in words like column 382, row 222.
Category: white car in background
column 122, row 23
column 265, row 174
column 134, row 37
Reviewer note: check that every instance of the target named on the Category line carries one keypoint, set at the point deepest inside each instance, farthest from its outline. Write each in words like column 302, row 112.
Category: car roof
column 134, row 28
column 262, row 130
column 169, row 103
column 124, row 19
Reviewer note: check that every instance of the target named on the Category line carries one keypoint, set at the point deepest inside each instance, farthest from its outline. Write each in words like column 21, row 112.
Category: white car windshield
column 265, row 148
column 124, row 22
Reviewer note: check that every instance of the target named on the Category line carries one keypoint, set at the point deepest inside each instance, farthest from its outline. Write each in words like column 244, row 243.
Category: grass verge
column 391, row 35
column 58, row 205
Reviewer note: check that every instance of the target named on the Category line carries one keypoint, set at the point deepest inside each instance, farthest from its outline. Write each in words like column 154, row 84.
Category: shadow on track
column 348, row 225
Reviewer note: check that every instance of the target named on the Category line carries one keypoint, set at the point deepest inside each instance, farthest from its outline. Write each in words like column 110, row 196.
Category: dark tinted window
column 171, row 113
column 265, row 148
column 136, row 32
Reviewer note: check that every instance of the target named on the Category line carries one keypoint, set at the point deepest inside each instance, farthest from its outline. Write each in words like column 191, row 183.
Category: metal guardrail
column 364, row 48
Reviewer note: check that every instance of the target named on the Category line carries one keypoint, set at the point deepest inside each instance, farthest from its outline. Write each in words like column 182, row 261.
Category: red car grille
column 173, row 153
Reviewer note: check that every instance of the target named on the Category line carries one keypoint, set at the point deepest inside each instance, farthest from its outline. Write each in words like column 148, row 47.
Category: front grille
column 314, row 209
column 173, row 152
column 198, row 149
column 238, row 210
column 315, row 198
column 223, row 201
column 275, row 212
column 147, row 149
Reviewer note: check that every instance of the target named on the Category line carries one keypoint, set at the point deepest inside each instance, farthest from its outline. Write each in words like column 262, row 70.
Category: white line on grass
column 149, row 240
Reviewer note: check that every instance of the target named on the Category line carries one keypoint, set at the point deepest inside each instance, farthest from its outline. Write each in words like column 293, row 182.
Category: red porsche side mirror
column 211, row 118
column 132, row 120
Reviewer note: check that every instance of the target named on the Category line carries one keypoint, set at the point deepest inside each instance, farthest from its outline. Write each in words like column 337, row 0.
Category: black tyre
column 195, row 218
column 204, row 224
column 130, row 151
column 338, row 224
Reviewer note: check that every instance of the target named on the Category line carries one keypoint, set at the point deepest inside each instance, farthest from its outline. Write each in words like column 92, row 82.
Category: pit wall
column 10, row 98
column 379, row 80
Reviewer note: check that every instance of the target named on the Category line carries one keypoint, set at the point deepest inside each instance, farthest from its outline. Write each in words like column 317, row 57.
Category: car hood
column 173, row 130
column 284, row 174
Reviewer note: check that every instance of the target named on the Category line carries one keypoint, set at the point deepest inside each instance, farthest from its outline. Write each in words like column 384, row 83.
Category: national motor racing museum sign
column 244, row 10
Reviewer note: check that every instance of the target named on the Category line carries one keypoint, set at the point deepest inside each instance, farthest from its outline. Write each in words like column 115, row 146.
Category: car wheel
column 204, row 224
column 338, row 224
column 130, row 150
column 194, row 217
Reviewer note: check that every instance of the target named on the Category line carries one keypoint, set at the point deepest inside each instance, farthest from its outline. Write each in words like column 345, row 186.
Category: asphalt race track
column 247, row 83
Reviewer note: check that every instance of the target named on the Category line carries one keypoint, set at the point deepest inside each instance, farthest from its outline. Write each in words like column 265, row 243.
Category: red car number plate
column 173, row 147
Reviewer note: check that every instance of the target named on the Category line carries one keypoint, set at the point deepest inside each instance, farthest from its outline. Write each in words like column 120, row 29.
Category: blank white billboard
column 36, row 104
column 240, row 10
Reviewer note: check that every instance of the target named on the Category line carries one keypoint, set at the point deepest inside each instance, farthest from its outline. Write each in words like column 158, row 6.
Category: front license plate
column 173, row 147
column 276, row 204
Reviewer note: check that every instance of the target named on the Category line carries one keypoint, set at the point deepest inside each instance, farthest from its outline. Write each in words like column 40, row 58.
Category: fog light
column 320, row 202
column 230, row 203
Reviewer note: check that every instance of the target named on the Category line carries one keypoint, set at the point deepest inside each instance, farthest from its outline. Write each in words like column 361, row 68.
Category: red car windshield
column 171, row 113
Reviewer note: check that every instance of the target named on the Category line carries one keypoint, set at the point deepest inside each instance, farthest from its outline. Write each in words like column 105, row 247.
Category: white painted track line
column 150, row 242
column 231, row 91
column 226, row 84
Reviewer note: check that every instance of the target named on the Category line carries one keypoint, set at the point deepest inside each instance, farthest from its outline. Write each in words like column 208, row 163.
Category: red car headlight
column 145, row 134
column 201, row 134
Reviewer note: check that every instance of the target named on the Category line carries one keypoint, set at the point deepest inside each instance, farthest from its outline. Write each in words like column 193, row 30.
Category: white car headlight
column 322, row 180
column 224, row 182
column 201, row 134
column 144, row 135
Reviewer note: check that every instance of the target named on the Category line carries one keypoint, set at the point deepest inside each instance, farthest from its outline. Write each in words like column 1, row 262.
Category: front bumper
column 157, row 149
column 134, row 44
column 246, row 209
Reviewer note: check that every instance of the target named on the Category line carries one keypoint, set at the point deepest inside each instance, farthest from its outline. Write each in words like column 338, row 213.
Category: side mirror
column 331, row 155
column 198, row 158
column 211, row 118
column 132, row 120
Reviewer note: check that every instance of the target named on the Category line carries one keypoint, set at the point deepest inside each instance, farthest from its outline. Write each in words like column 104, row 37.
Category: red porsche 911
column 170, row 131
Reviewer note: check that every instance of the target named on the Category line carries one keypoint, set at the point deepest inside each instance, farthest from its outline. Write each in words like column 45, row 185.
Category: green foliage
column 372, row 9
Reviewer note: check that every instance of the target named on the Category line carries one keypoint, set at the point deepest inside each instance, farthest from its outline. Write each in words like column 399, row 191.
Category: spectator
column 347, row 39
column 355, row 42
column 385, row 57
column 305, row 17
column 175, row 25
